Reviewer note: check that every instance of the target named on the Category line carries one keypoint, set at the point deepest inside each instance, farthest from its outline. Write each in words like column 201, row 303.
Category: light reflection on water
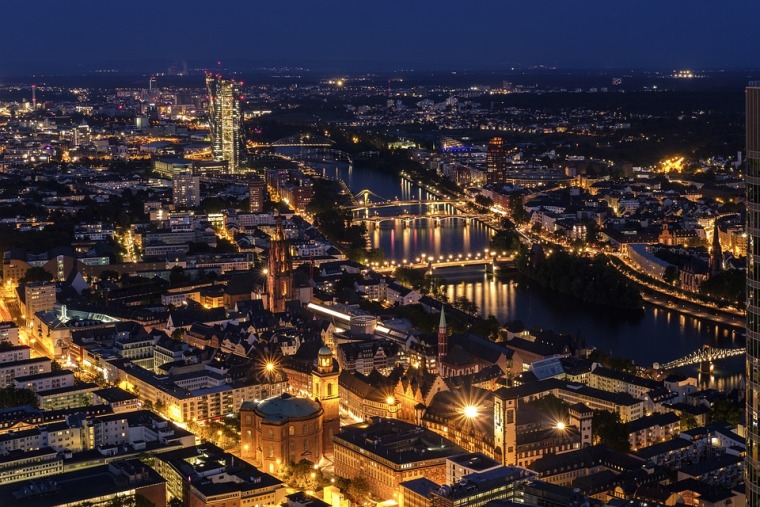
column 656, row 335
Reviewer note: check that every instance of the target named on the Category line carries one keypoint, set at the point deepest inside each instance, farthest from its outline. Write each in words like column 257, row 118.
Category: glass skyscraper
column 225, row 121
column 753, row 293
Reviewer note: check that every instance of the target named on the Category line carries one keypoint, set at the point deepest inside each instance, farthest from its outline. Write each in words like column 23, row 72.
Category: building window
column 291, row 430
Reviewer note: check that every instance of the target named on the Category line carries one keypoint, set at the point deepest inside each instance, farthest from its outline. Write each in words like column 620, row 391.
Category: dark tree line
column 590, row 279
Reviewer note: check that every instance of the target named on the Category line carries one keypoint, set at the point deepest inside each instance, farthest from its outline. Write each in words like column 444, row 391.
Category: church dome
column 284, row 407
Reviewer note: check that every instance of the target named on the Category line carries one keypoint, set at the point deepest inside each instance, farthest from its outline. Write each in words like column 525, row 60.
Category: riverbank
column 676, row 302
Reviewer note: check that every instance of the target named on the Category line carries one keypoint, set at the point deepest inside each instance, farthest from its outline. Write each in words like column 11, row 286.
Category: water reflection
column 656, row 335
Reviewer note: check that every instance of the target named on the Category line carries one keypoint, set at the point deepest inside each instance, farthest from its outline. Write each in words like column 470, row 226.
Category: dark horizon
column 342, row 36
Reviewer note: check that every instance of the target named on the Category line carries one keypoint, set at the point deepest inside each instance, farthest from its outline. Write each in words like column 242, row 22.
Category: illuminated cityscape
column 311, row 256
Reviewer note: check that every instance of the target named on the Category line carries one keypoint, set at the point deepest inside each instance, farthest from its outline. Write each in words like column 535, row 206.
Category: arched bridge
column 408, row 218
column 705, row 354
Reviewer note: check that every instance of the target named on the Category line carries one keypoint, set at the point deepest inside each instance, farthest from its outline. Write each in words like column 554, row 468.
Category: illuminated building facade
column 496, row 162
column 257, row 190
column 753, row 293
column 225, row 120
column 186, row 191
column 280, row 276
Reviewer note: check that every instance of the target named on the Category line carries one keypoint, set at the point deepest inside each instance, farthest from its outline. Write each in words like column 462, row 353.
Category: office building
column 206, row 476
column 257, row 189
column 496, row 162
column 225, row 121
column 126, row 482
column 753, row 293
column 388, row 452
column 38, row 297
column 186, row 190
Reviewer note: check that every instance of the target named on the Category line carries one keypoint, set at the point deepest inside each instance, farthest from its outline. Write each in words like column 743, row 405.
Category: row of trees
column 590, row 279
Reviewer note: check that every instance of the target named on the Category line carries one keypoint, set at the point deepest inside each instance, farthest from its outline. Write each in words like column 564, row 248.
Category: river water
column 655, row 335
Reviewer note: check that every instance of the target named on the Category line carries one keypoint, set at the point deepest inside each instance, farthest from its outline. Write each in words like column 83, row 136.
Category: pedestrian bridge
column 706, row 354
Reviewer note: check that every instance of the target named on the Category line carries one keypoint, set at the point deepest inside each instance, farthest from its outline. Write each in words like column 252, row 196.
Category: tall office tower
column 256, row 192
column 496, row 162
column 753, row 293
column 280, row 276
column 186, row 190
column 225, row 120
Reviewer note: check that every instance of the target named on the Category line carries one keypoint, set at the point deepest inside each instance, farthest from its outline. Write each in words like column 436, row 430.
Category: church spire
column 443, row 341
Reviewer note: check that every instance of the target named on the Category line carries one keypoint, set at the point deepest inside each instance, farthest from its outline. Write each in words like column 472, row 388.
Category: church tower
column 280, row 276
column 716, row 255
column 324, row 381
column 505, row 428
column 443, row 342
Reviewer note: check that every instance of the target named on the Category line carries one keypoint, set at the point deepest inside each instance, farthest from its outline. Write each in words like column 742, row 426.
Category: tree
column 177, row 276
column 109, row 274
column 671, row 275
column 729, row 285
column 465, row 305
column 356, row 489
column 723, row 410
column 483, row 201
column 688, row 421
column 178, row 334
column 55, row 366
column 304, row 476
column 608, row 429
column 410, row 277
column 35, row 274
column 12, row 397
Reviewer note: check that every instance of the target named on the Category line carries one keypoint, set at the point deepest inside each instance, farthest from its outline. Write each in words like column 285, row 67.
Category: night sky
column 55, row 35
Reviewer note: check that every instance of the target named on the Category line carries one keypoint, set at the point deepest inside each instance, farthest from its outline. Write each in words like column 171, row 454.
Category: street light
column 470, row 411
column 560, row 426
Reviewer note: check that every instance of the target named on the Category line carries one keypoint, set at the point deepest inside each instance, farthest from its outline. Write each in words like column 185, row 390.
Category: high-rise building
column 496, row 162
column 186, row 190
column 38, row 297
column 256, row 192
column 280, row 276
column 753, row 293
column 225, row 120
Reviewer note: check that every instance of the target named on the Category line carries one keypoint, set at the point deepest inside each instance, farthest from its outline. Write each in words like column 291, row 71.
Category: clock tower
column 324, row 383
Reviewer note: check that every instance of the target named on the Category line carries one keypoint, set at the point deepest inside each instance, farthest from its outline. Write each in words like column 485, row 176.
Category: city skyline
column 342, row 36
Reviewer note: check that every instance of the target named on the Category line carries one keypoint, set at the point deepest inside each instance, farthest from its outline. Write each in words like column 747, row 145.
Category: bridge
column 408, row 218
column 393, row 204
column 706, row 354
column 303, row 140
column 447, row 262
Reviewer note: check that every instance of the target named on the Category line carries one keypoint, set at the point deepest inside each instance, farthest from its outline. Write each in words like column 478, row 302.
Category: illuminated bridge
column 305, row 140
column 705, row 354
column 408, row 218
column 391, row 204
column 489, row 261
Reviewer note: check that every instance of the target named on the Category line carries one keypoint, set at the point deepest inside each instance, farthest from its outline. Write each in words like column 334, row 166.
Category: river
column 655, row 335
